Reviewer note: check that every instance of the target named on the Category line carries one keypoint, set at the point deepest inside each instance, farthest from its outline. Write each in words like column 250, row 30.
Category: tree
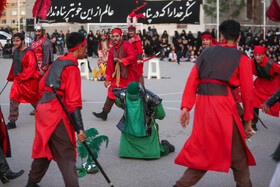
column 231, row 8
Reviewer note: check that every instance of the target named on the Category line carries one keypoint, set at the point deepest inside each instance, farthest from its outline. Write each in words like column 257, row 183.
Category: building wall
column 10, row 15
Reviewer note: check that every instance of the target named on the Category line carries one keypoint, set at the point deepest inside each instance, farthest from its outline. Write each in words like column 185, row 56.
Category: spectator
column 53, row 40
column 83, row 31
column 7, row 50
column 148, row 48
column 60, row 43
column 172, row 56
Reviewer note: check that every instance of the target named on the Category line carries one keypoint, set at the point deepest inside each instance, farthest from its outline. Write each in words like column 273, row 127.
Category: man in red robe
column 25, row 76
column 266, row 83
column 54, row 134
column 121, row 69
column 137, row 43
column 208, row 40
column 217, row 142
column 43, row 49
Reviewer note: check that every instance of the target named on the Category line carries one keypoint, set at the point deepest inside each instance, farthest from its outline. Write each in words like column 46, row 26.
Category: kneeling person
column 140, row 137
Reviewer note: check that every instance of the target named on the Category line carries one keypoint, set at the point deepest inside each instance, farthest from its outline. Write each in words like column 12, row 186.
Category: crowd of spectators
column 183, row 45
column 187, row 47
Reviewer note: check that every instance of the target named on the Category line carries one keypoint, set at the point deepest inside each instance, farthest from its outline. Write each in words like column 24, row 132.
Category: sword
column 4, row 87
column 85, row 144
column 151, row 57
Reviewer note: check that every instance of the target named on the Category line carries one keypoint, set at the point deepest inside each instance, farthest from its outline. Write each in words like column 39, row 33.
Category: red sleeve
column 110, row 68
column 275, row 69
column 138, row 47
column 191, row 87
column 246, row 86
column 71, row 85
column 131, row 56
column 11, row 76
column 29, row 66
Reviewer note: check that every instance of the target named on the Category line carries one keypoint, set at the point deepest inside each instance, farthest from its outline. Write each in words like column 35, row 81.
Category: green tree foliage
column 231, row 8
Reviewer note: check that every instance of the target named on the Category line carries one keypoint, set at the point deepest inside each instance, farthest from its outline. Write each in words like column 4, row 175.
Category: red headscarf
column 214, row 41
column 116, row 30
column 259, row 50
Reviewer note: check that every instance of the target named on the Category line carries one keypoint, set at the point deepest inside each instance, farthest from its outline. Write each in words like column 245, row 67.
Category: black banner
column 116, row 11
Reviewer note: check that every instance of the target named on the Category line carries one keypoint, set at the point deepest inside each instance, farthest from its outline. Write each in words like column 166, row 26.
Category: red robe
column 49, row 114
column 25, row 85
column 137, row 43
column 4, row 137
column 209, row 146
column 130, row 61
column 264, row 88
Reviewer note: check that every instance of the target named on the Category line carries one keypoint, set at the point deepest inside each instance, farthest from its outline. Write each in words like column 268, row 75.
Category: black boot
column 102, row 115
column 11, row 125
column 7, row 176
column 31, row 184
column 169, row 145
column 254, row 127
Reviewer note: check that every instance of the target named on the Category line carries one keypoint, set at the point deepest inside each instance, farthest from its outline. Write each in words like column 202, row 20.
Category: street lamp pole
column 218, row 20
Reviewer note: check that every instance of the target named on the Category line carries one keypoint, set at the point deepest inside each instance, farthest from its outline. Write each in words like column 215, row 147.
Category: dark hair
column 74, row 39
column 205, row 32
column 19, row 35
column 230, row 29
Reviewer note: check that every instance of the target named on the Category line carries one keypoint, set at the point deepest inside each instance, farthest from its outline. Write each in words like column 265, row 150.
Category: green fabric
column 144, row 147
column 134, row 116
column 132, row 88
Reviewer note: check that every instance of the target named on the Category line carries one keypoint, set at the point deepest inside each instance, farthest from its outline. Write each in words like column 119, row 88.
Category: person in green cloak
column 139, row 130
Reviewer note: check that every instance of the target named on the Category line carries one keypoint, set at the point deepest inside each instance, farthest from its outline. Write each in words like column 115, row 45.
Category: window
column 23, row 12
column 14, row 12
column 4, row 13
column 3, row 21
column 2, row 37
column 13, row 21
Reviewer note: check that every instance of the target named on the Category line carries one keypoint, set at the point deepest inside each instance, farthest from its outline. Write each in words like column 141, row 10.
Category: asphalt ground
column 125, row 172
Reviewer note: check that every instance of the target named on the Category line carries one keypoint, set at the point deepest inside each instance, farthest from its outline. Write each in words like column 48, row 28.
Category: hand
column 249, row 132
column 41, row 73
column 117, row 60
column 139, row 61
column 184, row 117
column 82, row 136
column 265, row 108
column 107, row 84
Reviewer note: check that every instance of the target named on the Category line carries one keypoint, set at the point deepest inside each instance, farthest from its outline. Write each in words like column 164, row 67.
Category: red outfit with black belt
column 209, row 146
column 264, row 88
column 49, row 114
column 126, row 52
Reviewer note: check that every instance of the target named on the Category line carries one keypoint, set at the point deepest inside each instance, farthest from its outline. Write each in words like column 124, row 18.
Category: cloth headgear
column 116, row 30
column 204, row 36
column 38, row 26
column 77, row 47
column 132, row 88
column 131, row 28
column 259, row 50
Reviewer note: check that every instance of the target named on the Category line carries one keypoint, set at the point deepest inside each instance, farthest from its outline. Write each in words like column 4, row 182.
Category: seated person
column 140, row 133
column 7, row 50
column 172, row 56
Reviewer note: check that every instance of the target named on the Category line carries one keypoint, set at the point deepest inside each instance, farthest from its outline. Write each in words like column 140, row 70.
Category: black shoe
column 254, row 126
column 11, row 125
column 169, row 145
column 32, row 113
column 31, row 184
column 6, row 177
column 102, row 115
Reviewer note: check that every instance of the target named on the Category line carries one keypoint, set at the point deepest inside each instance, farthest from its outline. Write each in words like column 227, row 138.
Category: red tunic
column 4, row 137
column 209, row 146
column 130, row 61
column 49, row 114
column 264, row 88
column 25, row 85
column 136, row 41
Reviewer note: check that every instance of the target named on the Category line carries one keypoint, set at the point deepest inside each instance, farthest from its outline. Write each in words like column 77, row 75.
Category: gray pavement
column 135, row 172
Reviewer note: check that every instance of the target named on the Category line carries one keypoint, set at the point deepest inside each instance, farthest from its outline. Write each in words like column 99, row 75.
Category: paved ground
column 134, row 172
